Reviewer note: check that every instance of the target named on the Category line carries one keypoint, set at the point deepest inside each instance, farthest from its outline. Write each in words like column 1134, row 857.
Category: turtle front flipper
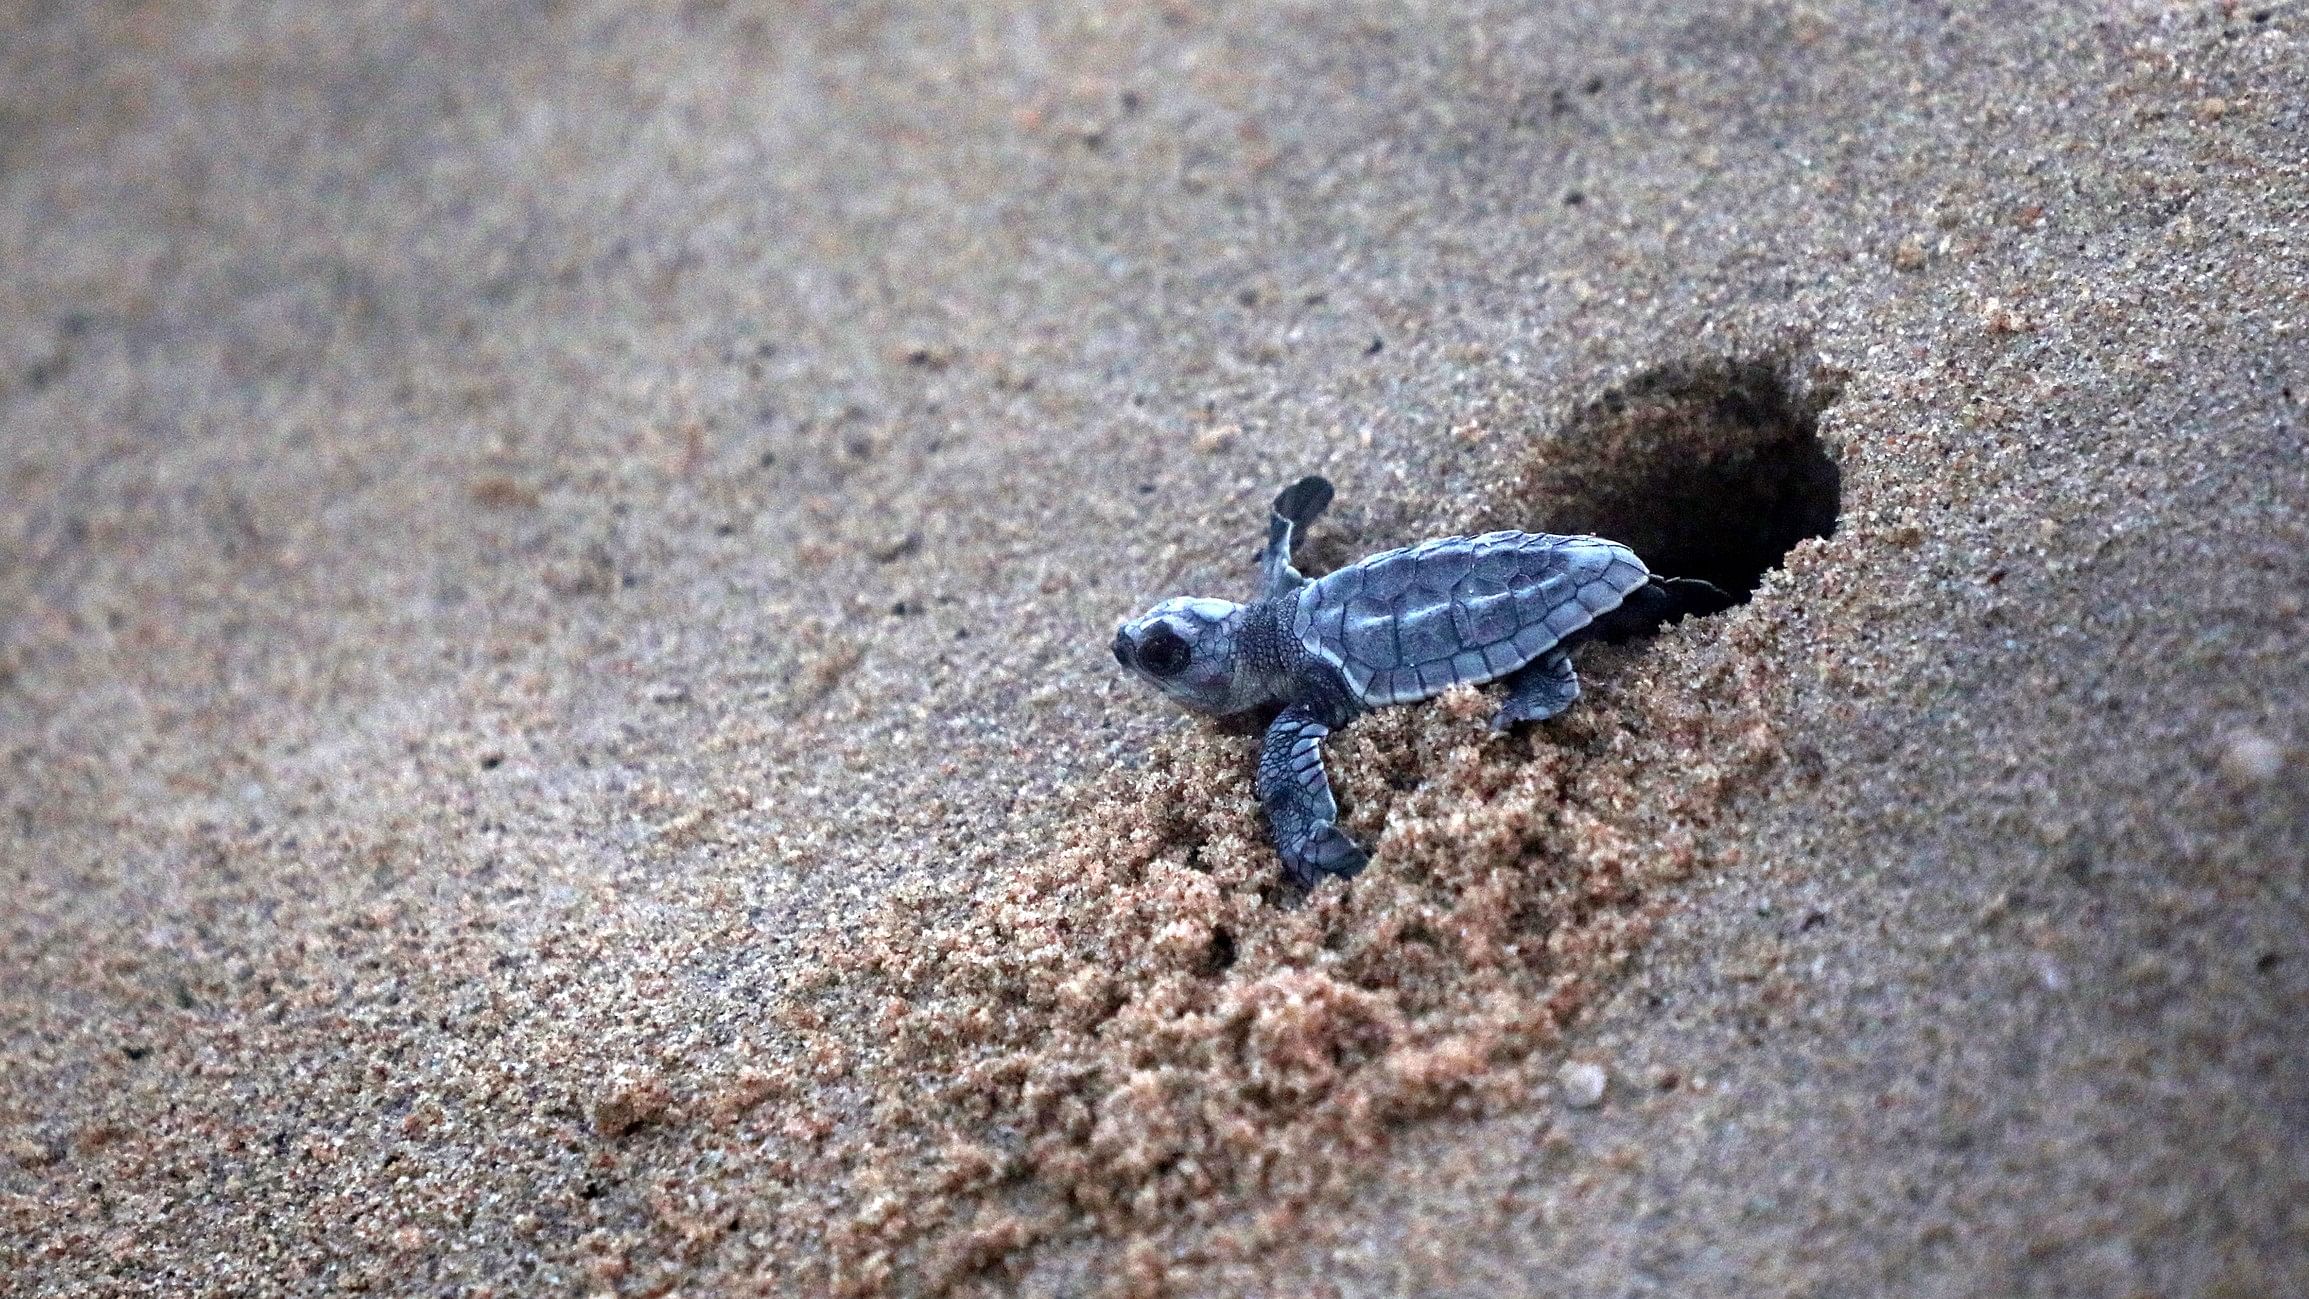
column 1296, row 507
column 1296, row 793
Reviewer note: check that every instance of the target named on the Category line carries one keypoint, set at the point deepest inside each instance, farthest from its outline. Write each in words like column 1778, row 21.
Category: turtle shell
column 1408, row 623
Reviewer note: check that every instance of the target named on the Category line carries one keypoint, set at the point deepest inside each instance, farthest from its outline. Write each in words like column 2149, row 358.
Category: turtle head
column 1189, row 649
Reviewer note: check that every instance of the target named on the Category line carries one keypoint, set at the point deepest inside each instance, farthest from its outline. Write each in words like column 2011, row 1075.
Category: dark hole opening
column 1712, row 470
column 1221, row 957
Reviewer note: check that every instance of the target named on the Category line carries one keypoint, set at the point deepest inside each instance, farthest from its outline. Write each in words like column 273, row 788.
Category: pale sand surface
column 556, row 734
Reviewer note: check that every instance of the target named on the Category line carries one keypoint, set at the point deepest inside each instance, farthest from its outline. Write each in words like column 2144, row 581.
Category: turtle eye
column 1164, row 652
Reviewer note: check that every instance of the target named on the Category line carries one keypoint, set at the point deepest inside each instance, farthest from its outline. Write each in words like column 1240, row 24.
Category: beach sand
column 556, row 732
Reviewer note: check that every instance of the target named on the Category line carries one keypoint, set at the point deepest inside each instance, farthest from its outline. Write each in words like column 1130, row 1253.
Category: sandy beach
column 557, row 733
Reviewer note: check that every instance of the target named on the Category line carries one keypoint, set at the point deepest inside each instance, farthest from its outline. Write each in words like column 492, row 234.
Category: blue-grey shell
column 1408, row 623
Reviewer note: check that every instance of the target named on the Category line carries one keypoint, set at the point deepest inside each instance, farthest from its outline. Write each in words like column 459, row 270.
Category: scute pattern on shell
column 1406, row 624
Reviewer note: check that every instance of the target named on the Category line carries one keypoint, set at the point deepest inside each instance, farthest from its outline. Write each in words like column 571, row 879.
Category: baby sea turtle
column 1400, row 626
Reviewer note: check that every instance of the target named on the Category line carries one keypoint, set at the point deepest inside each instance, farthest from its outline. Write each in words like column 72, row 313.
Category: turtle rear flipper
column 1538, row 690
column 1661, row 602
column 1694, row 597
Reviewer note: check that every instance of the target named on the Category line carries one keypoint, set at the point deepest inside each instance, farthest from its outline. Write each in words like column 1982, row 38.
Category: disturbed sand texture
column 555, row 731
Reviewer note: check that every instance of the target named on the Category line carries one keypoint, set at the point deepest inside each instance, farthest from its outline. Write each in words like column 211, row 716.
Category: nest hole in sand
column 1711, row 469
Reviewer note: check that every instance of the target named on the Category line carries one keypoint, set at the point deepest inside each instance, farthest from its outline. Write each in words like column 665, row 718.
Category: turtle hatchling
column 1397, row 627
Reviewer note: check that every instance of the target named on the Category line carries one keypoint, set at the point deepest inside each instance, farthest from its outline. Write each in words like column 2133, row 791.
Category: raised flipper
column 1538, row 690
column 1296, row 507
column 1301, row 813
